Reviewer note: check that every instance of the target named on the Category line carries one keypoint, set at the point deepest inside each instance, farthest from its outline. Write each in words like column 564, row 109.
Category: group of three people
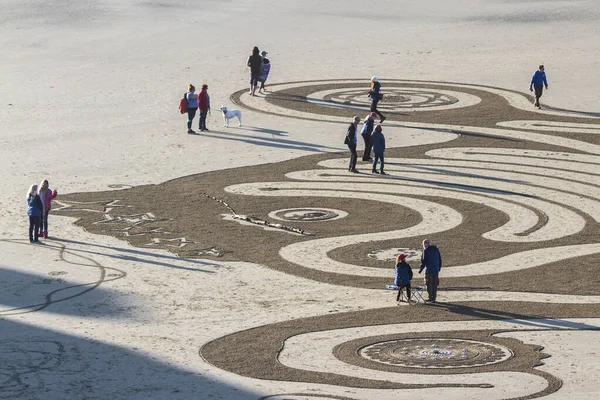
column 374, row 140
column 39, row 203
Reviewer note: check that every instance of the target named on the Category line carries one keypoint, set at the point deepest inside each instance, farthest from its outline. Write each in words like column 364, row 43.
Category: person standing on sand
column 378, row 148
column 431, row 262
column 34, row 212
column 192, row 106
column 538, row 81
column 46, row 196
column 376, row 95
column 203, row 106
column 351, row 142
column 264, row 71
column 255, row 63
column 366, row 132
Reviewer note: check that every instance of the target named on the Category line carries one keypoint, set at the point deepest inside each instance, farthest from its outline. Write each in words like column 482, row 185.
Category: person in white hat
column 376, row 95
column 265, row 68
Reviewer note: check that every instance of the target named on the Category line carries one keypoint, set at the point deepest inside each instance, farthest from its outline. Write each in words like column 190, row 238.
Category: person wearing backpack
column 376, row 95
column 192, row 105
column 34, row 212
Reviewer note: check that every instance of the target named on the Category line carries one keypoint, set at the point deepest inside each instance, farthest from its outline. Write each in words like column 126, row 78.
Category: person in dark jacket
column 375, row 95
column 203, row 106
column 264, row 71
column 366, row 132
column 34, row 212
column 351, row 142
column 404, row 275
column 538, row 81
column 431, row 262
column 192, row 105
column 255, row 63
column 378, row 148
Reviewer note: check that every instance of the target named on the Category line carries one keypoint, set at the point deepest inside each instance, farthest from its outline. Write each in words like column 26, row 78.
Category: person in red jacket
column 203, row 106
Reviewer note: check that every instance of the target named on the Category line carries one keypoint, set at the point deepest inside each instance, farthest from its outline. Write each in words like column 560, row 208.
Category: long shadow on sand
column 39, row 363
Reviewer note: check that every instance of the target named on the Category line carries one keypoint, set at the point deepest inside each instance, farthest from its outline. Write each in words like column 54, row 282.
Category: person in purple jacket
column 538, row 81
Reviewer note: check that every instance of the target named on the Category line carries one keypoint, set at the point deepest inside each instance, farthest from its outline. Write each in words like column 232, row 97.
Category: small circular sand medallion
column 436, row 353
column 307, row 214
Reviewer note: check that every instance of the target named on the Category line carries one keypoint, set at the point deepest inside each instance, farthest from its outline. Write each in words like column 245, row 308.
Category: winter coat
column 203, row 100
column 264, row 70
column 351, row 134
column 368, row 126
column 378, row 141
column 34, row 206
column 374, row 92
column 46, row 198
column 431, row 260
column 404, row 274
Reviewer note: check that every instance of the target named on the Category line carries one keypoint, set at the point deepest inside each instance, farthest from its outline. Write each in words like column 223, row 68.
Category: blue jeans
column 378, row 156
column 202, row 123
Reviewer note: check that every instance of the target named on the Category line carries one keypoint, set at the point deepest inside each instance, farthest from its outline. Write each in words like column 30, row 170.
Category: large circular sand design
column 307, row 214
column 436, row 353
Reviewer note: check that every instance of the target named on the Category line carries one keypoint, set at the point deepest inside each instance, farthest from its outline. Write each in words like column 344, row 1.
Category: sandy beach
column 152, row 286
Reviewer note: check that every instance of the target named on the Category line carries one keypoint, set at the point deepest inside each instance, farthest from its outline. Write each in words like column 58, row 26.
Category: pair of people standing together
column 373, row 138
column 197, row 102
column 431, row 263
column 260, row 66
column 39, row 204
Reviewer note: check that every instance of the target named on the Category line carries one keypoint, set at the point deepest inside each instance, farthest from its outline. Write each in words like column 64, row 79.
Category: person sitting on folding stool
column 404, row 275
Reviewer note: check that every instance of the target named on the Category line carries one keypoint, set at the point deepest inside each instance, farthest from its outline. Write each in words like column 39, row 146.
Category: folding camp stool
column 416, row 295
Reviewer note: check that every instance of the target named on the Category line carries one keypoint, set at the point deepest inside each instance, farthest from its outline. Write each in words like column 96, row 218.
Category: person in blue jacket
column 378, row 148
column 34, row 211
column 376, row 95
column 538, row 81
column 404, row 275
column 431, row 262
column 192, row 103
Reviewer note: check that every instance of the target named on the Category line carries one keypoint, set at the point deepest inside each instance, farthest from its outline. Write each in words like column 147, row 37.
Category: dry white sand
column 88, row 98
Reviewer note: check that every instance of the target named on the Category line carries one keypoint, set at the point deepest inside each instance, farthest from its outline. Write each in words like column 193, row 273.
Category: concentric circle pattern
column 307, row 214
column 436, row 353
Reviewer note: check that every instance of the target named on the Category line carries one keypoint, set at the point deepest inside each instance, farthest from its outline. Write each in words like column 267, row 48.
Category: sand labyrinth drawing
column 513, row 202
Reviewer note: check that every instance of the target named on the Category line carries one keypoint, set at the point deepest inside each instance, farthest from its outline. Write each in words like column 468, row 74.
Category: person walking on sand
column 264, row 71
column 192, row 106
column 366, row 132
column 431, row 262
column 538, row 81
column 34, row 212
column 404, row 275
column 378, row 148
column 255, row 63
column 203, row 106
column 376, row 95
column 46, row 196
column 351, row 142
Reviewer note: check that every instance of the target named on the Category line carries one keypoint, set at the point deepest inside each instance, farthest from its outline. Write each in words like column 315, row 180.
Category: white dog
column 227, row 114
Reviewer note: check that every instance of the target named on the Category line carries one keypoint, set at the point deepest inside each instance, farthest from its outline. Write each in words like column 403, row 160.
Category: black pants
column 202, row 123
column 432, row 281
column 378, row 156
column 400, row 291
column 368, row 145
column 539, row 89
column 44, row 222
column 34, row 228
column 353, row 156
column 191, row 115
column 374, row 109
